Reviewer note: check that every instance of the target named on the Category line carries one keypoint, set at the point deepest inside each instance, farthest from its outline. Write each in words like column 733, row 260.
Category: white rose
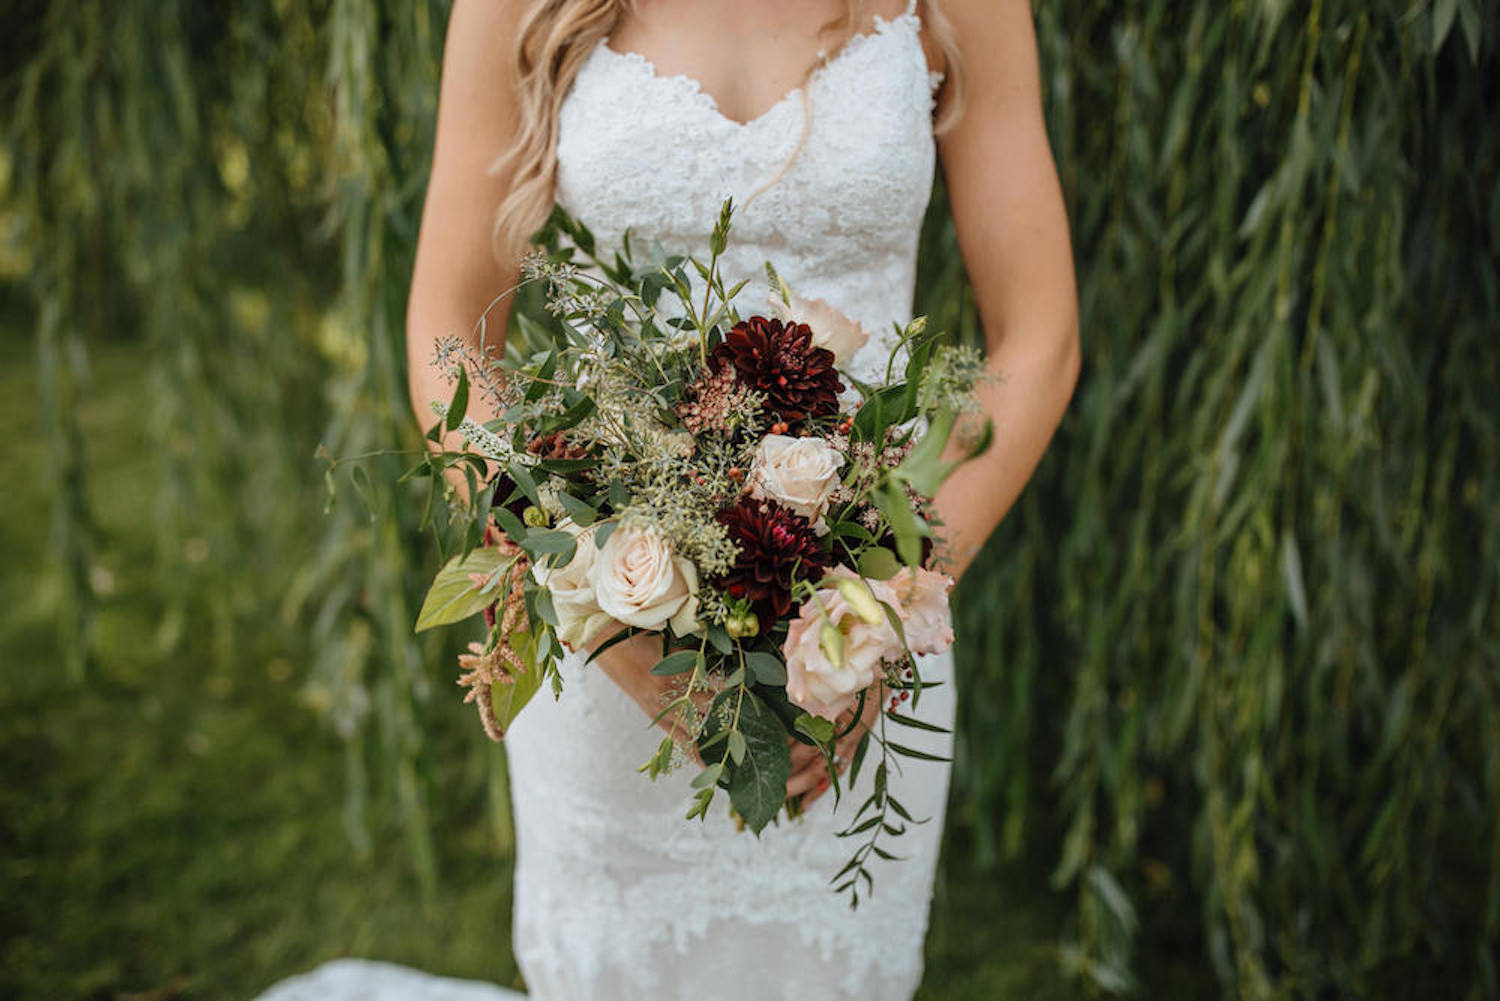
column 831, row 328
column 801, row 473
column 639, row 582
column 579, row 617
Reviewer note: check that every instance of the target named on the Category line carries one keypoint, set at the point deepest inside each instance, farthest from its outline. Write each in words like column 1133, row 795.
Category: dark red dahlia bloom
column 779, row 360
column 777, row 549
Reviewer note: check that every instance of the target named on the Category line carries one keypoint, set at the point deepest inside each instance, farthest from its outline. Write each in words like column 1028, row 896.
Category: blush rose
column 639, row 582
column 801, row 473
column 579, row 617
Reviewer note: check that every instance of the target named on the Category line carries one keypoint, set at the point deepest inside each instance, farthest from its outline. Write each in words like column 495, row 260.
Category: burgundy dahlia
column 779, row 360
column 777, row 548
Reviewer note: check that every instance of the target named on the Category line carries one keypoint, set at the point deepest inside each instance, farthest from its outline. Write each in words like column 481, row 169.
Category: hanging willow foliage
column 1248, row 644
column 1236, row 648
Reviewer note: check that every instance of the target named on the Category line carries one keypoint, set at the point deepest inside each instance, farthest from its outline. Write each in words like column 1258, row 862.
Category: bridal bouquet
column 665, row 465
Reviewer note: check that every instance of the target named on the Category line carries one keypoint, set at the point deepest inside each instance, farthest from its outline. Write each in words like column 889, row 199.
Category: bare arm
column 456, row 273
column 1013, row 234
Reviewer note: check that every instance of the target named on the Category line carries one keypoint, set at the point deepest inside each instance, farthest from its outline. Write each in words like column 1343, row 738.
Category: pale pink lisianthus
column 826, row 674
column 923, row 594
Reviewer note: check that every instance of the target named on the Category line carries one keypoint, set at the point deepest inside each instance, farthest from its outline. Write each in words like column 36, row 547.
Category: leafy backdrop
column 1232, row 665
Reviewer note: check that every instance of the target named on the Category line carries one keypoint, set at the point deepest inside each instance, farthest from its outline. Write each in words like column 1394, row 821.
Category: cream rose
column 833, row 653
column 639, row 582
column 924, row 597
column 831, row 328
column 579, row 617
column 801, row 473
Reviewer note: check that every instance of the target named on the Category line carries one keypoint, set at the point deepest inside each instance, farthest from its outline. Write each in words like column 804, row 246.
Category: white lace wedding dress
column 617, row 897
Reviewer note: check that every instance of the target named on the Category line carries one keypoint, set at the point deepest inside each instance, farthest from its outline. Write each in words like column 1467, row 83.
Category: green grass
column 174, row 825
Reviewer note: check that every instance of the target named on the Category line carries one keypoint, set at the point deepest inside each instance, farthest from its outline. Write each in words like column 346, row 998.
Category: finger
column 807, row 777
column 817, row 791
column 840, row 765
column 804, row 755
column 807, row 783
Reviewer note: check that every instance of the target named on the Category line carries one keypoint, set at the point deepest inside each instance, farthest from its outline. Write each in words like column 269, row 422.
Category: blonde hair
column 556, row 38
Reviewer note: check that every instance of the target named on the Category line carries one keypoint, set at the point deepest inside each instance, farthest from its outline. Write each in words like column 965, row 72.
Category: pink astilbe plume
column 500, row 665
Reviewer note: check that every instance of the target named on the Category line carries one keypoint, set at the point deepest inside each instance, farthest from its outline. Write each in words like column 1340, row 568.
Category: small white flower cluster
column 949, row 379
column 484, row 441
column 450, row 354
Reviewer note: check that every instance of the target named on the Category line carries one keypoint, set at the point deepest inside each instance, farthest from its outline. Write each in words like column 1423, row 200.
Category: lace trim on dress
column 694, row 87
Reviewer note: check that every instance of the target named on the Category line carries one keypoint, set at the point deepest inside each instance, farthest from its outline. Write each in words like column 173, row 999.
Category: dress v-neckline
column 710, row 103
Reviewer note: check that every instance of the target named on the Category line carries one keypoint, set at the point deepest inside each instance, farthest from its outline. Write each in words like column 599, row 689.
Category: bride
column 824, row 120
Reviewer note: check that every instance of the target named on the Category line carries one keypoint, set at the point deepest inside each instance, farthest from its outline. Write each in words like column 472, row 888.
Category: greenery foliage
column 1235, row 650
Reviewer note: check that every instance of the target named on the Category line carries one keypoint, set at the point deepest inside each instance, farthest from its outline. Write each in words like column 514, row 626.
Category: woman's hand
column 628, row 664
column 809, row 778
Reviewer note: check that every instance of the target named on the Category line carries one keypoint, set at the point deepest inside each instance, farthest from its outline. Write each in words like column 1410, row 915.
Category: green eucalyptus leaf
column 680, row 662
column 515, row 529
column 924, row 467
column 542, row 378
column 908, row 527
column 757, row 785
column 583, row 514
column 816, row 727
column 767, row 668
column 453, row 597
column 718, row 638
column 524, row 481
column 510, row 698
column 709, row 775
column 460, row 402
column 879, row 563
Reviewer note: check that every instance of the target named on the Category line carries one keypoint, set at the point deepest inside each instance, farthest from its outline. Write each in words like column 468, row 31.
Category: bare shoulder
column 481, row 39
column 456, row 272
column 479, row 18
column 996, row 42
column 1002, row 183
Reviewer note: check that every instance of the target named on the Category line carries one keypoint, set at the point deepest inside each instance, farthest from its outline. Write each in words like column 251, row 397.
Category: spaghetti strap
column 911, row 7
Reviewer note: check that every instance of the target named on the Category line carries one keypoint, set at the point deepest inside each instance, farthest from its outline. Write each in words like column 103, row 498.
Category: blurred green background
column 1231, row 667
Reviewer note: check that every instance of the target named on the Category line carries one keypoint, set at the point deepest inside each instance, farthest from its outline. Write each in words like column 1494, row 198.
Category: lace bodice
column 839, row 217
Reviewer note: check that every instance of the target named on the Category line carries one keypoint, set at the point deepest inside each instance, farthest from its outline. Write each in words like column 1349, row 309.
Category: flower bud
column 832, row 642
column 534, row 517
column 857, row 594
column 742, row 625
